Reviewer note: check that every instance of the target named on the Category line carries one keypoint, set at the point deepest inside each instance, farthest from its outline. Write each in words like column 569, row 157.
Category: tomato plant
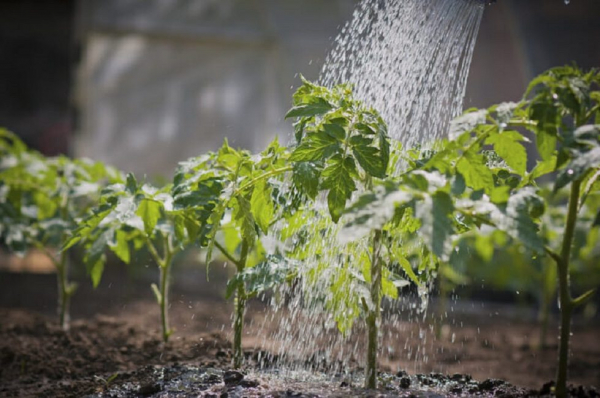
column 487, row 156
column 342, row 148
column 131, row 216
column 232, row 198
column 42, row 200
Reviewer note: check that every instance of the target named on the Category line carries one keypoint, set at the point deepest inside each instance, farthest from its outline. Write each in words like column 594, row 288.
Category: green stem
column 64, row 293
column 224, row 251
column 263, row 176
column 565, row 299
column 373, row 314
column 165, row 274
column 240, row 309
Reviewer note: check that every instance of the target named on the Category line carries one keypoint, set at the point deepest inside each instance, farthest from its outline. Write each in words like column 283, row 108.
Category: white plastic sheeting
column 164, row 80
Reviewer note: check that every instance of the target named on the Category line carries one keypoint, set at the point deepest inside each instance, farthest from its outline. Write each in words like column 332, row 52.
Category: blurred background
column 143, row 84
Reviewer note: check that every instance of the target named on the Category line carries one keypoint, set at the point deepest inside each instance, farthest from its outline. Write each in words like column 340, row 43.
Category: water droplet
column 570, row 172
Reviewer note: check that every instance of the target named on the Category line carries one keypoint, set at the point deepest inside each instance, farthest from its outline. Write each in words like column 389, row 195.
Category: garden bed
column 123, row 339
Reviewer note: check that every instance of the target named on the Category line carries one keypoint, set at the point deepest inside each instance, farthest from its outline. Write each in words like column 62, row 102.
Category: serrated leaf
column 131, row 184
column 405, row 264
column 577, row 168
column 475, row 172
column 242, row 214
column 338, row 180
column 306, row 178
column 214, row 221
column 518, row 220
column 500, row 194
column 318, row 107
column 437, row 226
column 543, row 167
column 507, row 146
column 261, row 205
column 121, row 246
column 370, row 160
column 384, row 150
column 335, row 130
column 96, row 269
column 149, row 211
column 315, row 147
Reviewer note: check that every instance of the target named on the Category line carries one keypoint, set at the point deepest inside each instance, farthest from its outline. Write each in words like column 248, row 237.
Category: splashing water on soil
column 408, row 59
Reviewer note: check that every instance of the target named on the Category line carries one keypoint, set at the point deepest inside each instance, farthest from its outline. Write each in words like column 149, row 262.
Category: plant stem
column 240, row 309
column 164, row 302
column 565, row 299
column 165, row 270
column 373, row 315
column 263, row 176
column 64, row 293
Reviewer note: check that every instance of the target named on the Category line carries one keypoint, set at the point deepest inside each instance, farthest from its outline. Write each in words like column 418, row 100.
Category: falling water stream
column 409, row 59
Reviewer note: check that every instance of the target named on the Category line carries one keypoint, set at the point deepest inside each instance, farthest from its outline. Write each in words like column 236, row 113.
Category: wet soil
column 118, row 352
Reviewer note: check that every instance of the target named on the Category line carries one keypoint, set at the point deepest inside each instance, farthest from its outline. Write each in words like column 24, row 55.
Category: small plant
column 42, row 200
column 487, row 156
column 233, row 198
column 343, row 148
column 133, row 216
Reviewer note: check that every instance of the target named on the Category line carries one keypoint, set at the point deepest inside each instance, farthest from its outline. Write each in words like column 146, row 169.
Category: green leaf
column 335, row 130
column 384, row 149
column 405, row 264
column 546, row 144
column 149, row 211
column 242, row 214
column 578, row 168
column 475, row 172
column 507, row 146
column 337, row 178
column 500, row 194
column 437, row 225
column 214, row 221
column 179, row 228
column 306, row 178
column 121, row 246
column 46, row 207
column 318, row 107
column 131, row 184
column 261, row 205
column 543, row 167
column 521, row 209
column 315, row 147
column 95, row 270
column 546, row 116
column 370, row 160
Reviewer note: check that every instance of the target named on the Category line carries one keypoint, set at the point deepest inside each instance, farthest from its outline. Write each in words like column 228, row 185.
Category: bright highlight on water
column 409, row 59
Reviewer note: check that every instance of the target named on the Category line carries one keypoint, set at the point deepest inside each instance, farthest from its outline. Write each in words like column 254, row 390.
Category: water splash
column 409, row 59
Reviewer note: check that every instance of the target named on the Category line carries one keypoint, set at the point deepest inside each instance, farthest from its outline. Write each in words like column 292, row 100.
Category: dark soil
column 119, row 352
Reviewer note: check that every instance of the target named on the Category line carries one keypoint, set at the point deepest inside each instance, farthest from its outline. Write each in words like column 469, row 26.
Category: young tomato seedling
column 41, row 201
column 141, row 216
